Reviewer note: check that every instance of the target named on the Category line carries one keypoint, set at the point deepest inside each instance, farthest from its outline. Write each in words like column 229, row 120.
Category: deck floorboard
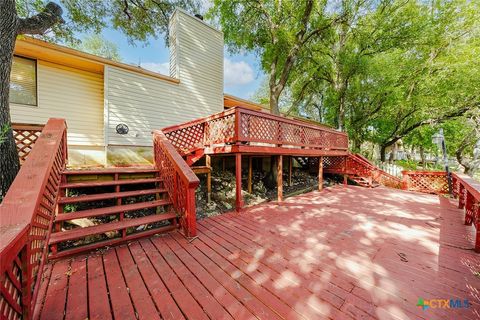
column 343, row 253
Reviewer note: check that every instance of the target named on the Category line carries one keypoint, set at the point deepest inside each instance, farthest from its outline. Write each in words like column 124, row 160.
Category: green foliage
column 137, row 19
column 97, row 45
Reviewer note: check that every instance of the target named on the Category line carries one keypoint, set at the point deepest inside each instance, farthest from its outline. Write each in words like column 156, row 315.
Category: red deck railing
column 25, row 137
column 240, row 125
column 468, row 192
column 425, row 181
column 26, row 213
column 179, row 180
column 354, row 164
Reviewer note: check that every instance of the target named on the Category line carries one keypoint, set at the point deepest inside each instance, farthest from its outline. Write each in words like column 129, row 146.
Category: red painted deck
column 343, row 253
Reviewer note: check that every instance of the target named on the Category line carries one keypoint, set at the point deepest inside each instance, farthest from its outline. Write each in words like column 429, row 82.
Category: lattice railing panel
column 178, row 179
column 188, row 138
column 26, row 223
column 25, row 138
column 220, row 130
column 427, row 182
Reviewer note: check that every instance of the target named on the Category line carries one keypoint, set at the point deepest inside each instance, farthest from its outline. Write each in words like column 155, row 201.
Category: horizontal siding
column 145, row 103
column 72, row 94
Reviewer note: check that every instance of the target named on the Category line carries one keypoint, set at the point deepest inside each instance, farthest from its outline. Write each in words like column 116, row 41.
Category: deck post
column 238, row 181
column 208, row 163
column 320, row 173
column 290, row 160
column 279, row 178
column 250, row 174
column 345, row 180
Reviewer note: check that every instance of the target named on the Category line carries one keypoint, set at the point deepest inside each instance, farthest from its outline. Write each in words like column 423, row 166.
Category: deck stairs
column 103, row 207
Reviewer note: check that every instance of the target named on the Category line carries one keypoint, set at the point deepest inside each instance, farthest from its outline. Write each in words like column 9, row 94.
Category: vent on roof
column 199, row 16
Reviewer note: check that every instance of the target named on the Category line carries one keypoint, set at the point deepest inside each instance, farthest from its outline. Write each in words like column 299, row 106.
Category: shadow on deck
column 343, row 253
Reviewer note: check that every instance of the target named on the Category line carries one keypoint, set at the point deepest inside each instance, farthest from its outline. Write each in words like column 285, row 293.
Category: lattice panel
column 427, row 182
column 187, row 139
column 221, row 130
column 175, row 186
column 334, row 163
column 30, row 250
column 25, row 138
column 11, row 298
column 256, row 128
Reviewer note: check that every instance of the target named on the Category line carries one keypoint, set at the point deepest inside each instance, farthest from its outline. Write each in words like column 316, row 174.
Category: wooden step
column 86, row 184
column 79, row 233
column 111, row 195
column 100, row 171
column 110, row 242
column 110, row 210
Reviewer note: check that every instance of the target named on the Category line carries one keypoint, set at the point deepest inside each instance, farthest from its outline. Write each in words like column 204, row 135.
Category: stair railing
column 26, row 214
column 179, row 181
column 357, row 164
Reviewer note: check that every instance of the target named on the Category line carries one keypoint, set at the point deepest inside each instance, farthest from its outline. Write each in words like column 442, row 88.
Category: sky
column 242, row 72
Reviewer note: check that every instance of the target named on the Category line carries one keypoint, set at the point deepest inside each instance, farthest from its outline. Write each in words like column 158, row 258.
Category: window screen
column 23, row 81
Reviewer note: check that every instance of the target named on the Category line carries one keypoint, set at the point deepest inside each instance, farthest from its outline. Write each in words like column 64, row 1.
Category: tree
column 137, row 19
column 277, row 31
column 99, row 46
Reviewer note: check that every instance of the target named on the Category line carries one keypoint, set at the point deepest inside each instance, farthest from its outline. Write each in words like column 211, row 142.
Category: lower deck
column 343, row 253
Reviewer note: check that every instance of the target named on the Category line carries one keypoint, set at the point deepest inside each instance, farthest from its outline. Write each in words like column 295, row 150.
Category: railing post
column 238, row 182
column 320, row 173
column 461, row 196
column 404, row 180
column 237, row 135
column 191, row 212
column 469, row 214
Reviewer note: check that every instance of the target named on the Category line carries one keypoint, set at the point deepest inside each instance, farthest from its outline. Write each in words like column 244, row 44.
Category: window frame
column 36, row 82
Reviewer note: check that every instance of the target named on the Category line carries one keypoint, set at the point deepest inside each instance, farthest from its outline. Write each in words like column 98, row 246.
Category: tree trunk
column 383, row 150
column 274, row 97
column 422, row 157
column 9, row 163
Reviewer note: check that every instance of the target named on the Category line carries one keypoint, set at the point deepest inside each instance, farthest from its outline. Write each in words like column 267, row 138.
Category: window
column 23, row 81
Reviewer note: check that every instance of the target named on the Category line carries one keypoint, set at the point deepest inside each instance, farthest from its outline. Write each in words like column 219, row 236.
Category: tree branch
column 40, row 23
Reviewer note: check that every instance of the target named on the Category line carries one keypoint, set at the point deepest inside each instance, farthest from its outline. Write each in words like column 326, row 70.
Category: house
column 111, row 108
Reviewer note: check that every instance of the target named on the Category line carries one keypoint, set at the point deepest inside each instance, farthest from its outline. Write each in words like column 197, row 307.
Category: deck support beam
column 208, row 163
column 320, row 173
column 250, row 174
column 280, row 178
column 290, row 167
column 238, row 181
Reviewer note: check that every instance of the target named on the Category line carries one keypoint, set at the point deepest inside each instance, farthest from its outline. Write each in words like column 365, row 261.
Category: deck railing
column 240, row 125
column 425, row 181
column 26, row 215
column 355, row 164
column 179, row 180
column 468, row 192
column 25, row 137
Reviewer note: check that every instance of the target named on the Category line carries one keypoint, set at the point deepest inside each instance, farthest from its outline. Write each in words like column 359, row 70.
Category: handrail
column 27, row 212
column 357, row 164
column 468, row 192
column 179, row 180
column 241, row 125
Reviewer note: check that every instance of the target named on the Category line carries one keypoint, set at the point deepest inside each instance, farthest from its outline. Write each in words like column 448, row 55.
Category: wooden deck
column 343, row 253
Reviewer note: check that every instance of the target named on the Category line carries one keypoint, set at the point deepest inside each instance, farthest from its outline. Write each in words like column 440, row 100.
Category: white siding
column 146, row 103
column 67, row 93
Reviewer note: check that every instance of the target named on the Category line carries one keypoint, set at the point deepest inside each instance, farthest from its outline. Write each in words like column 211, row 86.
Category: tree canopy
column 382, row 71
